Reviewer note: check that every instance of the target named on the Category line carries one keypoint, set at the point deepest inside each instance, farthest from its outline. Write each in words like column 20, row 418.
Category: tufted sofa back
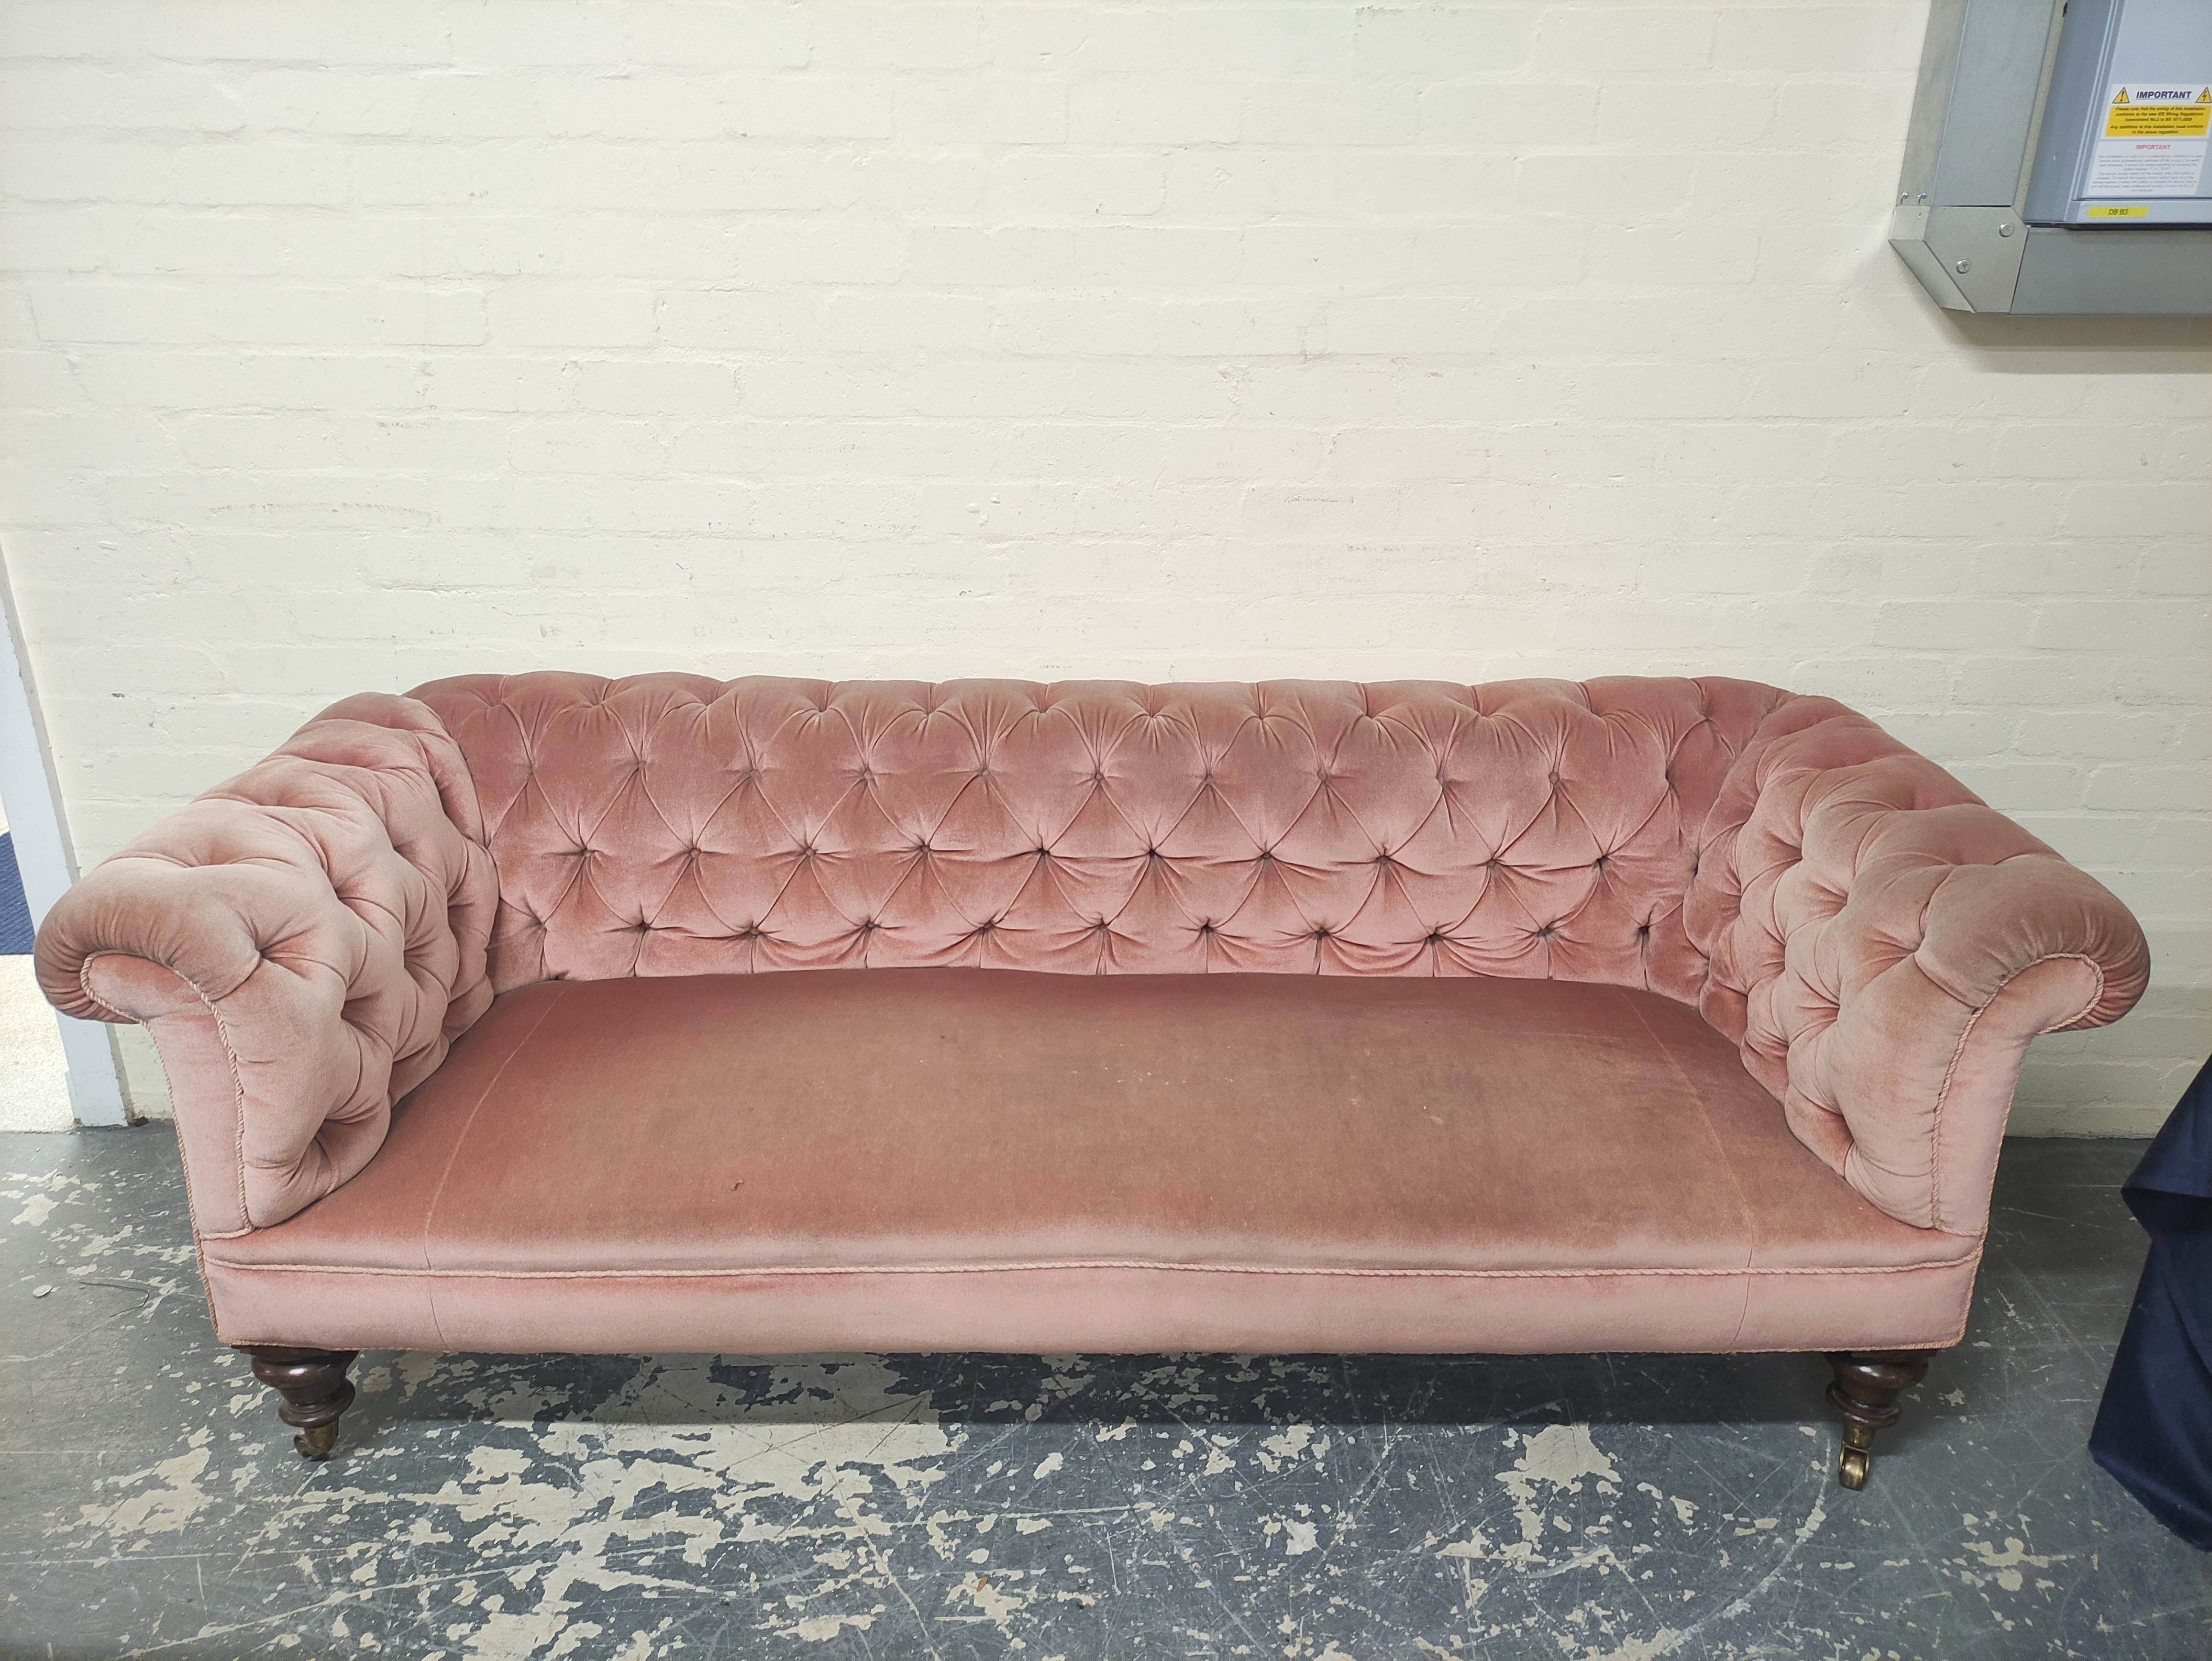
column 669, row 825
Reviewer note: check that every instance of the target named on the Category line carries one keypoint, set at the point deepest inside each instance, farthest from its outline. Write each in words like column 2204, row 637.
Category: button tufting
column 1413, row 799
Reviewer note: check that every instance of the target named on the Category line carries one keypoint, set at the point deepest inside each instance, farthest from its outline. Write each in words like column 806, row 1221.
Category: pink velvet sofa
column 547, row 1012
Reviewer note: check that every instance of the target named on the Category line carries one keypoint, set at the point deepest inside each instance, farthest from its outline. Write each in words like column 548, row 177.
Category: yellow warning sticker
column 2169, row 110
column 2119, row 213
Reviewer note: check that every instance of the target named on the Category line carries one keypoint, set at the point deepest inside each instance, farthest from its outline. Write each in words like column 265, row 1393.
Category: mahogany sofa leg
column 315, row 1389
column 1867, row 1385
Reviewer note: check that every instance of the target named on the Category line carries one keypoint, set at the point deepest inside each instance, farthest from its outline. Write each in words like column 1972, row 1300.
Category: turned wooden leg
column 315, row 1389
column 1867, row 1385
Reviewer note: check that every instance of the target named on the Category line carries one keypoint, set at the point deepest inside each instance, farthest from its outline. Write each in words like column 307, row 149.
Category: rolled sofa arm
column 1883, row 945
column 303, row 942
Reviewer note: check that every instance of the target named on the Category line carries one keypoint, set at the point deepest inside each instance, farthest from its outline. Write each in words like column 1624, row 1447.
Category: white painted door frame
column 47, row 861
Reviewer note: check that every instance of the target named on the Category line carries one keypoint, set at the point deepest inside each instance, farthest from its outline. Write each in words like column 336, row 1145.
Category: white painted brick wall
column 350, row 344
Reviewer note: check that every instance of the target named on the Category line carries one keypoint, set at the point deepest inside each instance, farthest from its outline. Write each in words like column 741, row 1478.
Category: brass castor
column 314, row 1388
column 1854, row 1465
column 1865, row 1393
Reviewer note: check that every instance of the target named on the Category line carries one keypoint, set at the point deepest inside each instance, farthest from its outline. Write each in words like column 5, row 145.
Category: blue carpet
column 14, row 915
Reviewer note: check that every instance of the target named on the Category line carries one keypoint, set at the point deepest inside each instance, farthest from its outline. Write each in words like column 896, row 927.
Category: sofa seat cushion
column 992, row 1159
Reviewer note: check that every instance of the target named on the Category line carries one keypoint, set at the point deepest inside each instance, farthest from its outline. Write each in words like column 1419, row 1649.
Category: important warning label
column 2154, row 140
column 2146, row 166
column 2168, row 110
column 2146, row 169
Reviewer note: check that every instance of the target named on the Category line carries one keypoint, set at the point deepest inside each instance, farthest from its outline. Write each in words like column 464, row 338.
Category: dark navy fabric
column 2155, row 1430
column 15, row 915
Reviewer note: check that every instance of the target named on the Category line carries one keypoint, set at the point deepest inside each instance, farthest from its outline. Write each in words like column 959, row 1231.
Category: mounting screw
column 2005, row 229
column 1963, row 267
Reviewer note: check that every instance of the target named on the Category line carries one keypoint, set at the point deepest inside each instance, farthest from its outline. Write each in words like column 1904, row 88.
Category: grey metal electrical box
column 2128, row 120
column 2056, row 161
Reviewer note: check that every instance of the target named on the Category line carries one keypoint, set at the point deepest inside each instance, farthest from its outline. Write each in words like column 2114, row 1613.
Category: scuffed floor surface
column 1626, row 1507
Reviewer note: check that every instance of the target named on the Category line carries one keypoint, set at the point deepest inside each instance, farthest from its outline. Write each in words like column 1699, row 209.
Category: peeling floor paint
column 1314, row 1508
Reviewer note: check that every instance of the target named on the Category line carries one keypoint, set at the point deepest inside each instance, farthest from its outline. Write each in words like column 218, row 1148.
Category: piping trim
column 430, row 1211
column 1721, row 1147
column 229, row 1057
column 1943, row 1091
column 772, row 1271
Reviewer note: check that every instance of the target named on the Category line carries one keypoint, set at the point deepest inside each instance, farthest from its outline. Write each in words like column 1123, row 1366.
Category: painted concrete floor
column 1332, row 1508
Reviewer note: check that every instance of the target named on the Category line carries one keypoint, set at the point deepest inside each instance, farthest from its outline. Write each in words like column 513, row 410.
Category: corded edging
column 1958, row 1053
column 774, row 1271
